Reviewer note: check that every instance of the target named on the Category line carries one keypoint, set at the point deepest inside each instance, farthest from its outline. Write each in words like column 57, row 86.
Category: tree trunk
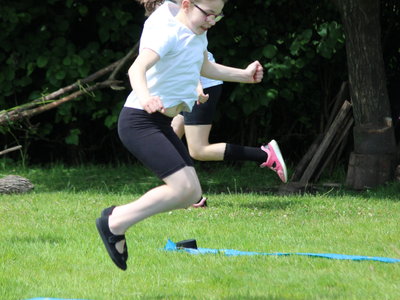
column 374, row 140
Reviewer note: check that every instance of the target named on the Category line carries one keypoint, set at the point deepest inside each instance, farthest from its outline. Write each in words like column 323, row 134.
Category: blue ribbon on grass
column 41, row 298
column 171, row 246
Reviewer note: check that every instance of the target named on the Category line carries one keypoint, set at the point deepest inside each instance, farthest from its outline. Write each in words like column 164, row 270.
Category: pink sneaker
column 275, row 160
column 201, row 204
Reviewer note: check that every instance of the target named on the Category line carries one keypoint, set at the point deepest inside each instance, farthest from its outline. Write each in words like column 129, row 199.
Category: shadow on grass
column 215, row 177
column 389, row 191
column 103, row 179
column 41, row 239
column 269, row 205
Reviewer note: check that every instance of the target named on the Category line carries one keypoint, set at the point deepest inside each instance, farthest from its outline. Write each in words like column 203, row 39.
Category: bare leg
column 178, row 125
column 197, row 137
column 181, row 190
column 200, row 149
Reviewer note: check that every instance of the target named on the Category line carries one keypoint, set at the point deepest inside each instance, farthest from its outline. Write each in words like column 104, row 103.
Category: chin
column 202, row 30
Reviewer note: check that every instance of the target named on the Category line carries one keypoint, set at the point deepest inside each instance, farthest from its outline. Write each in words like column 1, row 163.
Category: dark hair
column 150, row 5
column 225, row 1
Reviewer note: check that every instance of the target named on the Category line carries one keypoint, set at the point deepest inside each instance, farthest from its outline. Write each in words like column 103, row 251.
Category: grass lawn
column 50, row 247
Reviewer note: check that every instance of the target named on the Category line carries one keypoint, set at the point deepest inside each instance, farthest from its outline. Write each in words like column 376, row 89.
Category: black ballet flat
column 109, row 239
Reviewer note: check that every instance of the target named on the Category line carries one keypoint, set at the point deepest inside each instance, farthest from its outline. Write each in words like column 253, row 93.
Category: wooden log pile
column 327, row 148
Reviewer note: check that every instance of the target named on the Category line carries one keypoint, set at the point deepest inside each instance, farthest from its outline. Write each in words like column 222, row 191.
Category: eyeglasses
column 209, row 17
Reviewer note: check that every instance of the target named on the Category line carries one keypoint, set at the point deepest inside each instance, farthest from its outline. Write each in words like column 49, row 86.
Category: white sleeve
column 158, row 38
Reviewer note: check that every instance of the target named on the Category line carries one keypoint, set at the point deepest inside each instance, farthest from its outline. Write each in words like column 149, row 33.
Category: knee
column 190, row 192
column 198, row 153
column 193, row 193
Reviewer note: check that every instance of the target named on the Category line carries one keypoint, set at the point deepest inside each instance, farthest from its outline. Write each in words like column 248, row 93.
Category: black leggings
column 203, row 114
column 151, row 139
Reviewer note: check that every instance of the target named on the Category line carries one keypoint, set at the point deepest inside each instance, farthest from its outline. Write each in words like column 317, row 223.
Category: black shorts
column 151, row 139
column 203, row 114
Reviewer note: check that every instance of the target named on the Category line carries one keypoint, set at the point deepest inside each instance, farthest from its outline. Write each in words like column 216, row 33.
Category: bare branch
column 10, row 149
column 7, row 117
column 68, row 88
column 50, row 101
column 122, row 62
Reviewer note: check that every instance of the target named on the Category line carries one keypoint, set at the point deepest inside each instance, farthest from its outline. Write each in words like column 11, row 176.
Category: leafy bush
column 301, row 48
column 50, row 44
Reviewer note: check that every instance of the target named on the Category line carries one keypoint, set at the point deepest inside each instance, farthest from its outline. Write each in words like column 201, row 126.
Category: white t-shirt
column 207, row 82
column 175, row 76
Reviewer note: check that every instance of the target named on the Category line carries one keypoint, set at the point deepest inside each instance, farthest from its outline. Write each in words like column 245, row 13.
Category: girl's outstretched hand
column 153, row 104
column 255, row 72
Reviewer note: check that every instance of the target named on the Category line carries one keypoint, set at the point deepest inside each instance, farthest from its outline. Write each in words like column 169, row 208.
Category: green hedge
column 49, row 44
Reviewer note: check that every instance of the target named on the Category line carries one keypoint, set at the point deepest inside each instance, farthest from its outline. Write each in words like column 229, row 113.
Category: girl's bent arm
column 137, row 72
column 252, row 74
column 137, row 77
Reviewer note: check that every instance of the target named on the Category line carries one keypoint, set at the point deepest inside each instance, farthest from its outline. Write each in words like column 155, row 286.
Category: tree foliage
column 49, row 44
column 301, row 48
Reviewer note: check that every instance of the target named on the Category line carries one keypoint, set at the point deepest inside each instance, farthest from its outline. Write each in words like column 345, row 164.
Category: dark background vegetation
column 45, row 45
